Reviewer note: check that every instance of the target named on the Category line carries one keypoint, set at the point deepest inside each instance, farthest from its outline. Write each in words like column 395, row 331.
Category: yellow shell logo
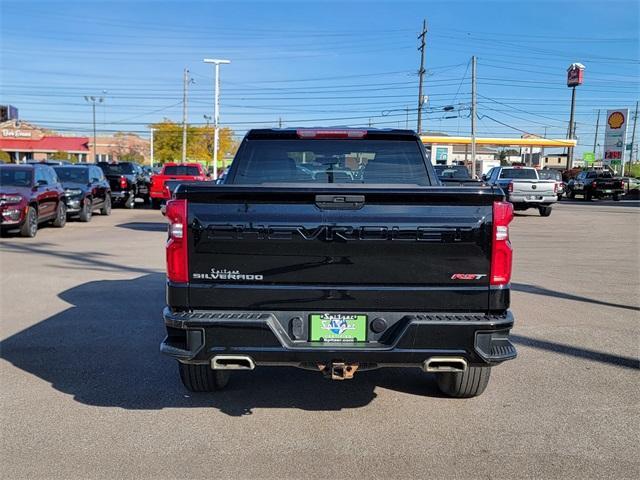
column 616, row 119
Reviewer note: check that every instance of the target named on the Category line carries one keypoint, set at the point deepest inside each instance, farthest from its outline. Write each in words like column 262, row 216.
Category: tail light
column 177, row 267
column 501, row 252
column 555, row 188
column 510, row 187
column 594, row 184
column 123, row 181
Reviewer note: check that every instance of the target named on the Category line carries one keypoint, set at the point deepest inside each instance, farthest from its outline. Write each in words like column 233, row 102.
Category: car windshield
column 457, row 172
column 72, row 174
column 181, row 170
column 549, row 175
column 117, row 168
column 332, row 161
column 519, row 173
column 15, row 177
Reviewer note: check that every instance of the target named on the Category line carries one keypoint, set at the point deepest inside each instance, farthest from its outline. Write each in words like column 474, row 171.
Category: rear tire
column 202, row 378
column 571, row 194
column 30, row 226
column 587, row 196
column 545, row 211
column 155, row 204
column 616, row 198
column 87, row 211
column 61, row 216
column 470, row 383
column 106, row 208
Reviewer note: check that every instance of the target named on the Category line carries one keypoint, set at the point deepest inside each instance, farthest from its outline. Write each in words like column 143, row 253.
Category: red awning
column 46, row 144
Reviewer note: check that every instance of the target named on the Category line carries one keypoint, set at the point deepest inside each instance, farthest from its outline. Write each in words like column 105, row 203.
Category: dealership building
column 25, row 142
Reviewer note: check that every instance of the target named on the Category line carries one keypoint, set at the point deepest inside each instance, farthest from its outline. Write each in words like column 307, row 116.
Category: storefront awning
column 46, row 144
column 513, row 142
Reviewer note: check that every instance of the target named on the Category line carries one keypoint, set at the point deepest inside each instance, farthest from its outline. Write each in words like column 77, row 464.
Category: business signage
column 442, row 154
column 6, row 132
column 588, row 157
column 615, row 135
column 575, row 75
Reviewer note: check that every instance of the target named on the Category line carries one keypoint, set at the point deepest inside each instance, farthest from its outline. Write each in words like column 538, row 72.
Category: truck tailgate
column 355, row 249
column 534, row 187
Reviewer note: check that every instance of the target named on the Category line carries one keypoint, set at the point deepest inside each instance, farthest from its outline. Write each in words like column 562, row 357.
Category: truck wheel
column 467, row 384
column 571, row 194
column 106, row 208
column 130, row 202
column 61, row 216
column 201, row 378
column 155, row 203
column 588, row 196
column 87, row 211
column 616, row 197
column 544, row 211
column 30, row 226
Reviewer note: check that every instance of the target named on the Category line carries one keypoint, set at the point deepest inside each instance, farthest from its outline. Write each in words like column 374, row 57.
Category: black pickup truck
column 337, row 251
column 127, row 181
column 596, row 184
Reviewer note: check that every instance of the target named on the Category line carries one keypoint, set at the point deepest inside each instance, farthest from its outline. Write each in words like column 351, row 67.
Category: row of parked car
column 39, row 192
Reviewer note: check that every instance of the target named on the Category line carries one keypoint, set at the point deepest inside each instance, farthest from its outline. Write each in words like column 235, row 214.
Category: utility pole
column 473, row 116
column 216, row 110
column 422, row 37
column 279, row 122
column 541, row 159
column 184, row 114
column 92, row 100
column 633, row 136
column 370, row 122
column 151, row 161
column 406, row 123
column 572, row 128
column 595, row 137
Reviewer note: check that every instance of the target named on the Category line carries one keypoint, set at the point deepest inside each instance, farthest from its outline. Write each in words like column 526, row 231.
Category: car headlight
column 72, row 192
column 11, row 199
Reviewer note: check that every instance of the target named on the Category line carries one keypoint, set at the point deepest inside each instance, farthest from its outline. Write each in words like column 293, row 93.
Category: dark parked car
column 596, row 184
column 85, row 189
column 548, row 174
column 128, row 181
column 30, row 195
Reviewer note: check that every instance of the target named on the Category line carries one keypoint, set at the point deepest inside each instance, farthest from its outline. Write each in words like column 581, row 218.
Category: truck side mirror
column 484, row 177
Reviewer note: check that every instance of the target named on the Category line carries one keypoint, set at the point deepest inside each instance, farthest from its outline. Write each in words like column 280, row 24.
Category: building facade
column 25, row 142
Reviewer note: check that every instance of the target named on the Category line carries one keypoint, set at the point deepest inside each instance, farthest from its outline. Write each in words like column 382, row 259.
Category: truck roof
column 332, row 132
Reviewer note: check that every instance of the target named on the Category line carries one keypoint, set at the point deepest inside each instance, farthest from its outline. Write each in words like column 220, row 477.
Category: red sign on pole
column 575, row 75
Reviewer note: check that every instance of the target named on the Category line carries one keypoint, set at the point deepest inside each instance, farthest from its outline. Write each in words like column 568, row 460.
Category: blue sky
column 319, row 63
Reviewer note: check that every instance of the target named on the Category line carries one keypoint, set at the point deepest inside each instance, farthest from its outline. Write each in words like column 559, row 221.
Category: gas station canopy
column 514, row 142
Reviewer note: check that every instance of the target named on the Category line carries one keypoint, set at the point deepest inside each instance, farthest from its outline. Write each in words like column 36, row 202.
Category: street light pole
column 92, row 100
column 216, row 110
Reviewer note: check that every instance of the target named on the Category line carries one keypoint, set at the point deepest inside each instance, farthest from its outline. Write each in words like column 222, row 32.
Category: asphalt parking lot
column 86, row 394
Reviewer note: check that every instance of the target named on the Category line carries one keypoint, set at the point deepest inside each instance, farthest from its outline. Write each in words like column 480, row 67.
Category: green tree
column 5, row 157
column 167, row 142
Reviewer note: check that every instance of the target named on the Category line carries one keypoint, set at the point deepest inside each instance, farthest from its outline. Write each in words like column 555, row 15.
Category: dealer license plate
column 338, row 327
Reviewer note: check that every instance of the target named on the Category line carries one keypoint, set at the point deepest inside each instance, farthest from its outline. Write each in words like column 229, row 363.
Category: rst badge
column 468, row 276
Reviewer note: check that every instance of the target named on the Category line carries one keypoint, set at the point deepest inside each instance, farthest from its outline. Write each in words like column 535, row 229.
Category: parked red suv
column 30, row 195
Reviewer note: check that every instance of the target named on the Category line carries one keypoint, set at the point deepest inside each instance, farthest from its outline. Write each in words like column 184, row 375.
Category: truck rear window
column 522, row 173
column 181, row 170
column 331, row 161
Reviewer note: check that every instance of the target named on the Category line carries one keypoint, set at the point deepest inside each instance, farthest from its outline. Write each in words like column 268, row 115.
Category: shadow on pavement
column 564, row 349
column 533, row 289
column 85, row 260
column 145, row 226
column 104, row 351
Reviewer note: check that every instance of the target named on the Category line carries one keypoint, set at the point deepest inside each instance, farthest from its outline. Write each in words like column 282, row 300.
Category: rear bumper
column 120, row 194
column 538, row 200
column 159, row 195
column 272, row 339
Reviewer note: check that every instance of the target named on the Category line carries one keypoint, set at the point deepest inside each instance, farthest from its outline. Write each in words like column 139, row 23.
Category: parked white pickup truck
column 523, row 188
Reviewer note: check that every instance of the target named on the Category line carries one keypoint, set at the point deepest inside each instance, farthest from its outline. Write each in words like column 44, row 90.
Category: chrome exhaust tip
column 444, row 364
column 232, row 362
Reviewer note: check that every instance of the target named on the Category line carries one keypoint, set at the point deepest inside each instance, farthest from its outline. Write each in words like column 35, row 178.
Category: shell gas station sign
column 615, row 136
